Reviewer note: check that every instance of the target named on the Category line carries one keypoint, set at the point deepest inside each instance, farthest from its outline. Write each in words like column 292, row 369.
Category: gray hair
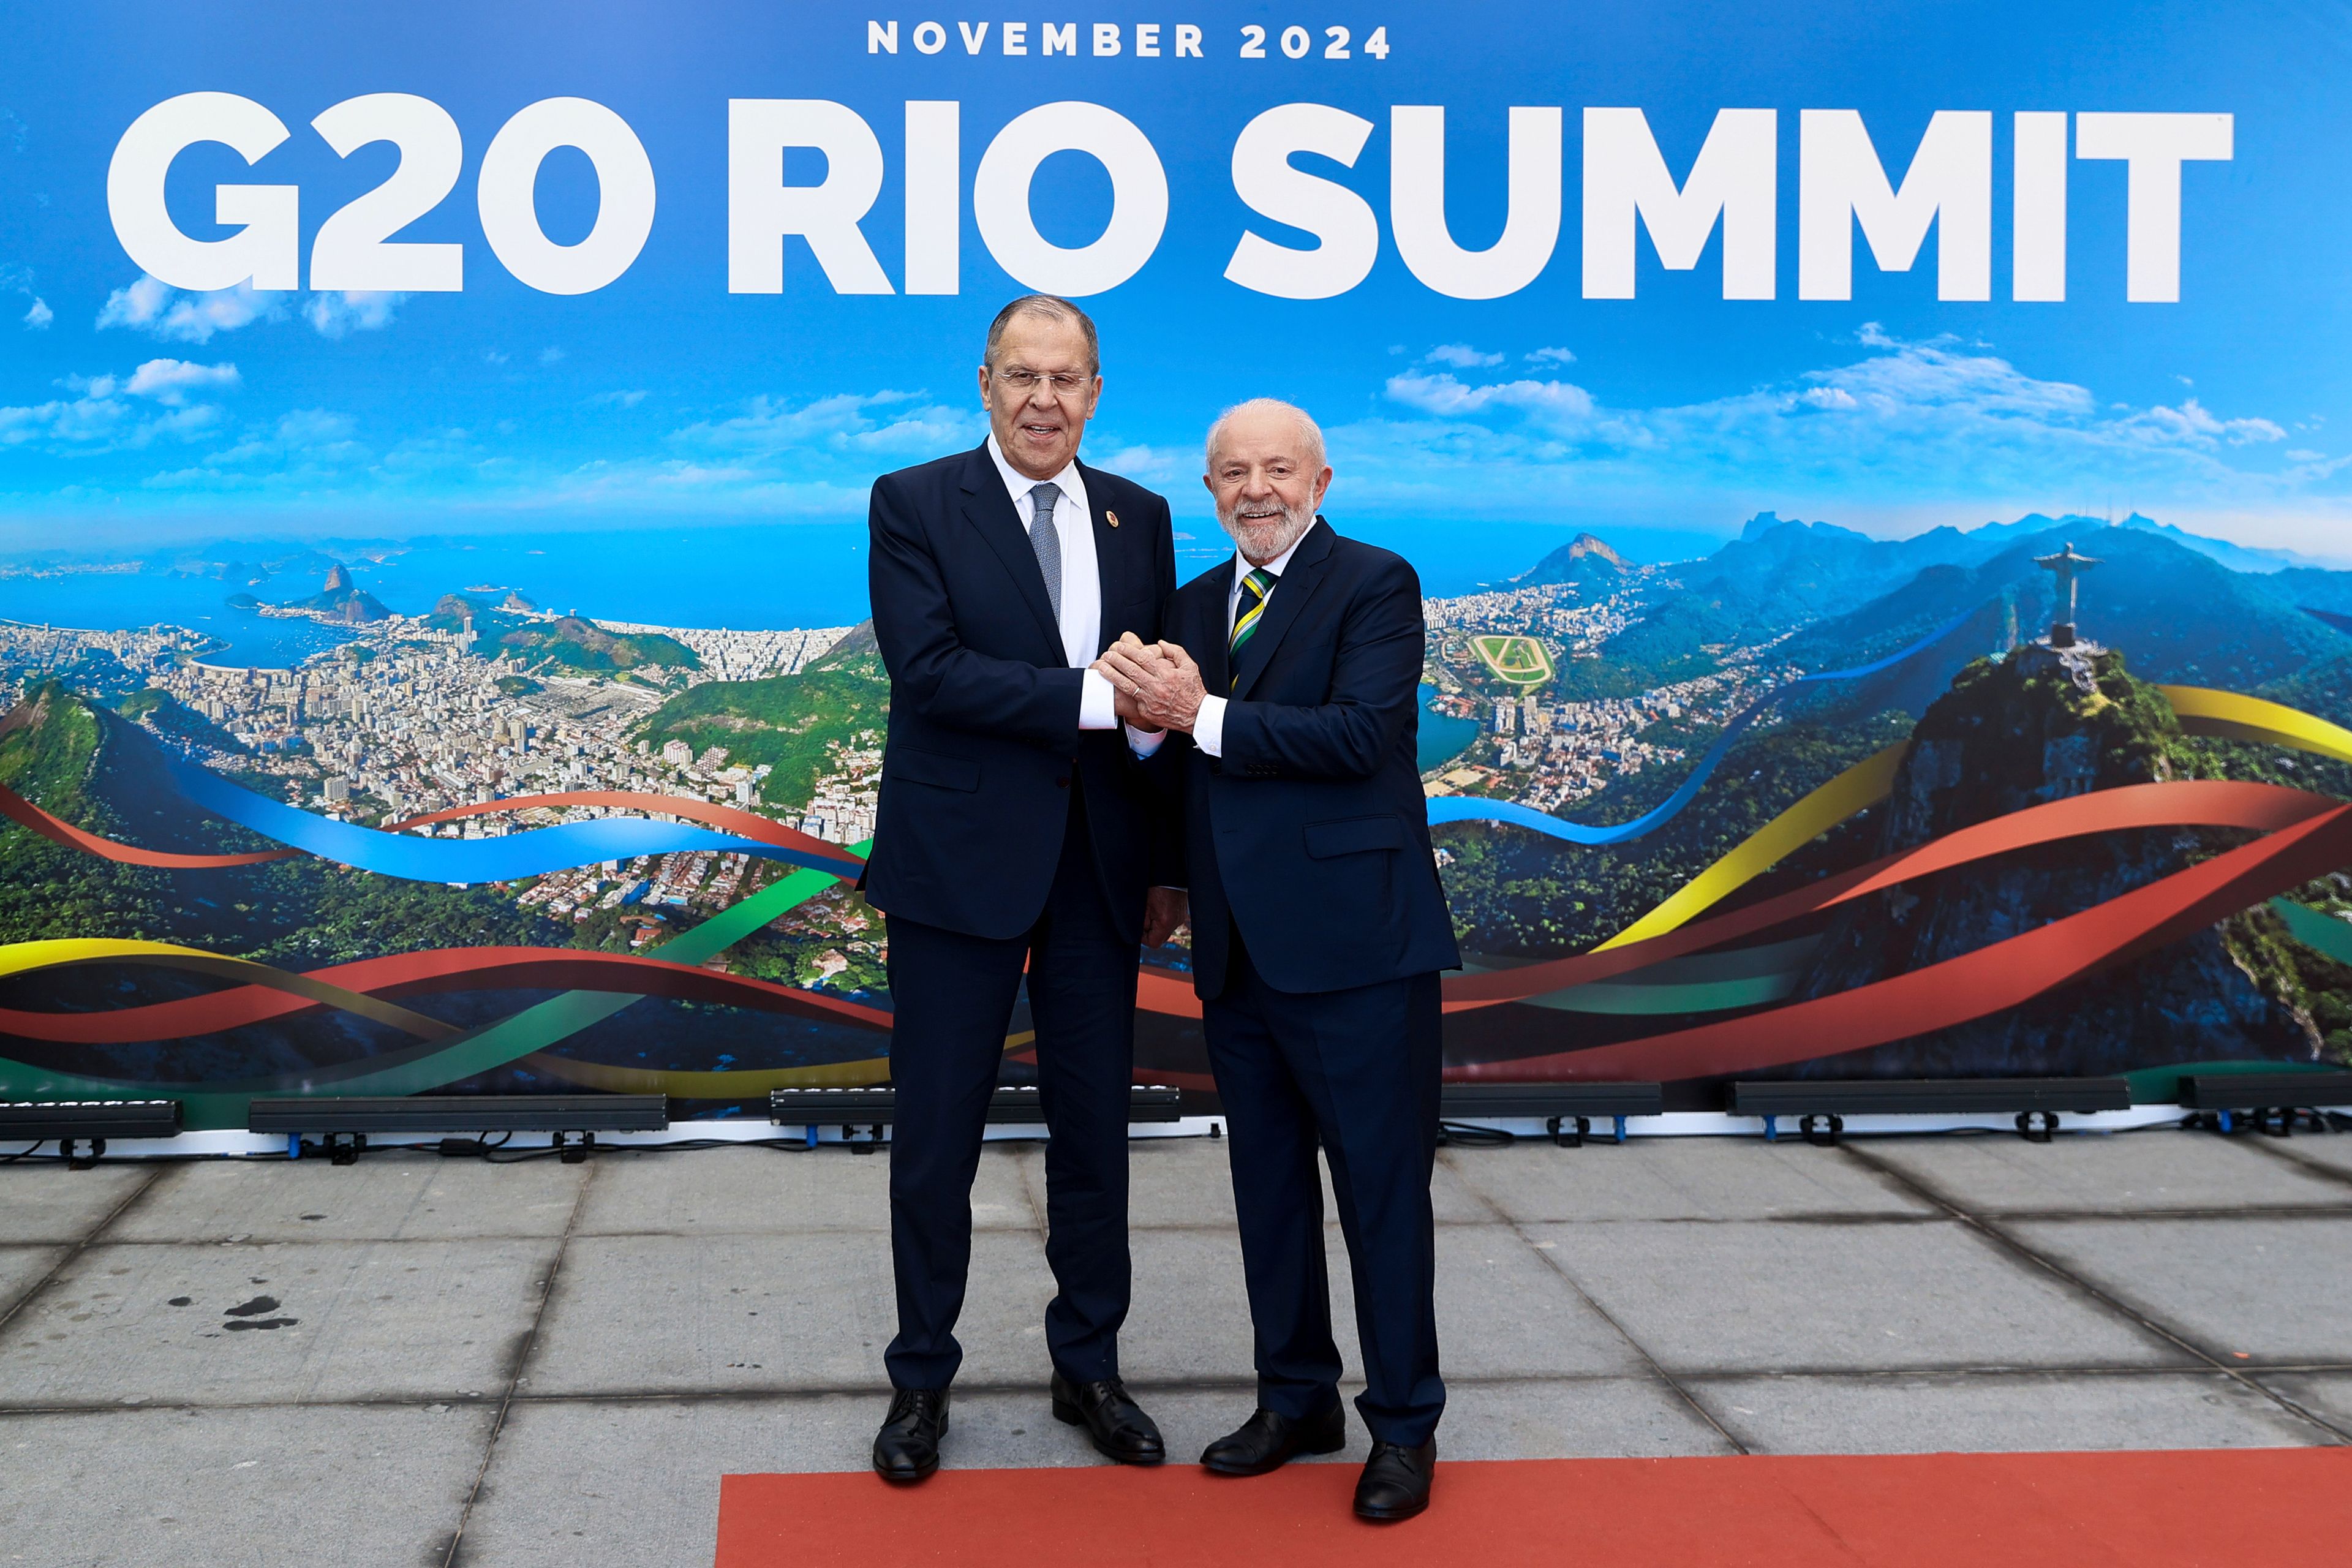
column 1046, row 307
column 1308, row 431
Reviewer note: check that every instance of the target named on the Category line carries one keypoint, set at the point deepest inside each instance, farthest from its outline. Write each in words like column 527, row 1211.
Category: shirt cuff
column 1143, row 742
column 1209, row 726
column 1097, row 708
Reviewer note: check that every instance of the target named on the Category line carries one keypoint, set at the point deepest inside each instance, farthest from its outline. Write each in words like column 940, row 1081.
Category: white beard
column 1265, row 538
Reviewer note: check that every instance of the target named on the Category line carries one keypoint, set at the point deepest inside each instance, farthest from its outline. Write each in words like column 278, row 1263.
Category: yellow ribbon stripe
column 1863, row 785
column 2233, row 717
column 24, row 957
column 2202, row 711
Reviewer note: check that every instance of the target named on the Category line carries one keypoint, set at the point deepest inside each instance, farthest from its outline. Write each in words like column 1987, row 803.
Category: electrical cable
column 1463, row 1134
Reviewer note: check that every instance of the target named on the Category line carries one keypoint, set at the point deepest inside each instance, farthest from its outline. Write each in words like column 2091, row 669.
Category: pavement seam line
column 2020, row 1249
column 454, row 1556
column 1550, row 1258
column 74, row 1250
column 2276, row 1149
column 1221, row 1384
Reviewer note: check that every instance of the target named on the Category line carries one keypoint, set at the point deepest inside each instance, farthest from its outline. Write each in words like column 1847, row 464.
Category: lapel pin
column 1112, row 517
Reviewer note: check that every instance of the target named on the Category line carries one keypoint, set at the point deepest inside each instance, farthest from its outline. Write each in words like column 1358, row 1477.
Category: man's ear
column 1322, row 484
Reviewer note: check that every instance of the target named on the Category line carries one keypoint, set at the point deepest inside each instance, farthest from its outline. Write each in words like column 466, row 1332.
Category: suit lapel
column 989, row 509
column 1291, row 591
column 1110, row 565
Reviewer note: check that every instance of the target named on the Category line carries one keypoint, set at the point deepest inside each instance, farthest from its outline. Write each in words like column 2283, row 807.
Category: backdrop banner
column 1873, row 475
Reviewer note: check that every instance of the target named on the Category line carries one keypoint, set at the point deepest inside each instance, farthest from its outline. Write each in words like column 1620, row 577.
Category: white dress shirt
column 1074, row 526
column 1209, row 723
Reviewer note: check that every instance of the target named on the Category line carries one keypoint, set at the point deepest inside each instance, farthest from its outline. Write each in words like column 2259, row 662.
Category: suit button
column 1062, row 783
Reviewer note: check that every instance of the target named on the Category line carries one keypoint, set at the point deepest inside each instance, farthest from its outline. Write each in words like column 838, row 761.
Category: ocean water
column 752, row 579
column 749, row 577
column 112, row 601
column 763, row 577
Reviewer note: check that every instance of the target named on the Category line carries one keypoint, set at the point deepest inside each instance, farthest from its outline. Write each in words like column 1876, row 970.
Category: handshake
column 1154, row 685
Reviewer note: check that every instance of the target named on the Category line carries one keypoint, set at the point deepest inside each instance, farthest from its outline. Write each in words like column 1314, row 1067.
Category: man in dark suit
column 1318, row 928
column 1015, row 832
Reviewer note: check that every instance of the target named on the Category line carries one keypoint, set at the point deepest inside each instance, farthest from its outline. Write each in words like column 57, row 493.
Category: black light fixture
column 345, row 1121
column 1821, row 1106
column 1567, row 1109
column 2276, row 1100
column 72, row 1122
column 877, row 1107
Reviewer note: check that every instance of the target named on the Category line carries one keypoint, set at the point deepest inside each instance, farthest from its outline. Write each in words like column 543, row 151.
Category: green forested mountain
column 793, row 723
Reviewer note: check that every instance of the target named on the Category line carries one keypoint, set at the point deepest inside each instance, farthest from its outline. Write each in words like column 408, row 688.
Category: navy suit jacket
column 1310, row 834
column 984, row 737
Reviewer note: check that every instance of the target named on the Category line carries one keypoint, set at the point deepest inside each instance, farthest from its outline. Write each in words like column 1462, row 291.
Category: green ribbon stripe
column 415, row 1070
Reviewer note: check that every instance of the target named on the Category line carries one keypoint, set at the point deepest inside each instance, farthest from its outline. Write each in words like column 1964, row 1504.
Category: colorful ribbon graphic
column 2188, row 803
column 529, row 853
column 1976, row 984
column 397, row 852
column 1650, row 962
column 358, row 988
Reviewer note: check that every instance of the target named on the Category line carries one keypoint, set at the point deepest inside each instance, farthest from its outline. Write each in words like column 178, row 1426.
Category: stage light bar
column 72, row 1122
column 1568, row 1109
column 877, row 1107
column 2273, row 1100
column 345, row 1121
column 1821, row 1105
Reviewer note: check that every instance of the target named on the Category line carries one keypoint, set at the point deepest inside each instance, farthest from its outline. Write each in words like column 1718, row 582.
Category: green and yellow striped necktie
column 1255, row 588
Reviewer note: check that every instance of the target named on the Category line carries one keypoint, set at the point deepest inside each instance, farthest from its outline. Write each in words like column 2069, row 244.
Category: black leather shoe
column 1116, row 1422
column 1267, row 1441
column 908, row 1447
column 1395, row 1482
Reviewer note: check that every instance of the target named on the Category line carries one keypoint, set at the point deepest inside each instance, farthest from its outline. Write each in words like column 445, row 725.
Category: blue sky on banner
column 131, row 408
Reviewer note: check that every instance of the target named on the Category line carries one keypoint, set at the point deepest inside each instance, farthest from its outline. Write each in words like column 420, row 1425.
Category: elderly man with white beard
column 1319, row 929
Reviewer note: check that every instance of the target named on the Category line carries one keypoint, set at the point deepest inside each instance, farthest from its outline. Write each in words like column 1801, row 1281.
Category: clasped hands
column 1154, row 685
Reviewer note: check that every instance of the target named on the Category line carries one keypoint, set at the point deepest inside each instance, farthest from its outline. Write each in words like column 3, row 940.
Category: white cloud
column 1902, row 425
column 37, row 319
column 493, row 356
column 314, row 427
column 101, row 419
column 171, row 381
column 1461, row 356
column 101, row 415
column 629, row 399
column 1554, row 401
column 2190, row 424
column 1151, row 465
column 304, row 450
column 866, row 425
column 339, row 314
column 551, row 355
column 1551, row 356
column 161, row 311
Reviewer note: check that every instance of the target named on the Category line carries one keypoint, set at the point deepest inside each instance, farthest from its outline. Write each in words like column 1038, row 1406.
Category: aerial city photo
column 465, row 680
column 1616, row 701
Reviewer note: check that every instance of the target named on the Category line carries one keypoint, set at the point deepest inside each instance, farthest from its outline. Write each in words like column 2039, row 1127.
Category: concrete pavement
column 418, row 1360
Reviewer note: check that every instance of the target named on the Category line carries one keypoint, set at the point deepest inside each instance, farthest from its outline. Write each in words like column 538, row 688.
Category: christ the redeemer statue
column 2066, row 566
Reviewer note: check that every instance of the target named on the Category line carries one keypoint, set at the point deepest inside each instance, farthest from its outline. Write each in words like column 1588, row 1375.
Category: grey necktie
column 1047, row 541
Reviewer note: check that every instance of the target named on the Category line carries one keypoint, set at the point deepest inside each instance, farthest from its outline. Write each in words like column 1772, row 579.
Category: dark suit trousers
column 1357, row 1072
column 954, row 995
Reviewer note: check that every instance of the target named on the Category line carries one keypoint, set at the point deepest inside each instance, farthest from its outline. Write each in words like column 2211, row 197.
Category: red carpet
column 2277, row 1508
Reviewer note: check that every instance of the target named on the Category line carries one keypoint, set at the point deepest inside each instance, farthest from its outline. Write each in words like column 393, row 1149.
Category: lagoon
column 1441, row 737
